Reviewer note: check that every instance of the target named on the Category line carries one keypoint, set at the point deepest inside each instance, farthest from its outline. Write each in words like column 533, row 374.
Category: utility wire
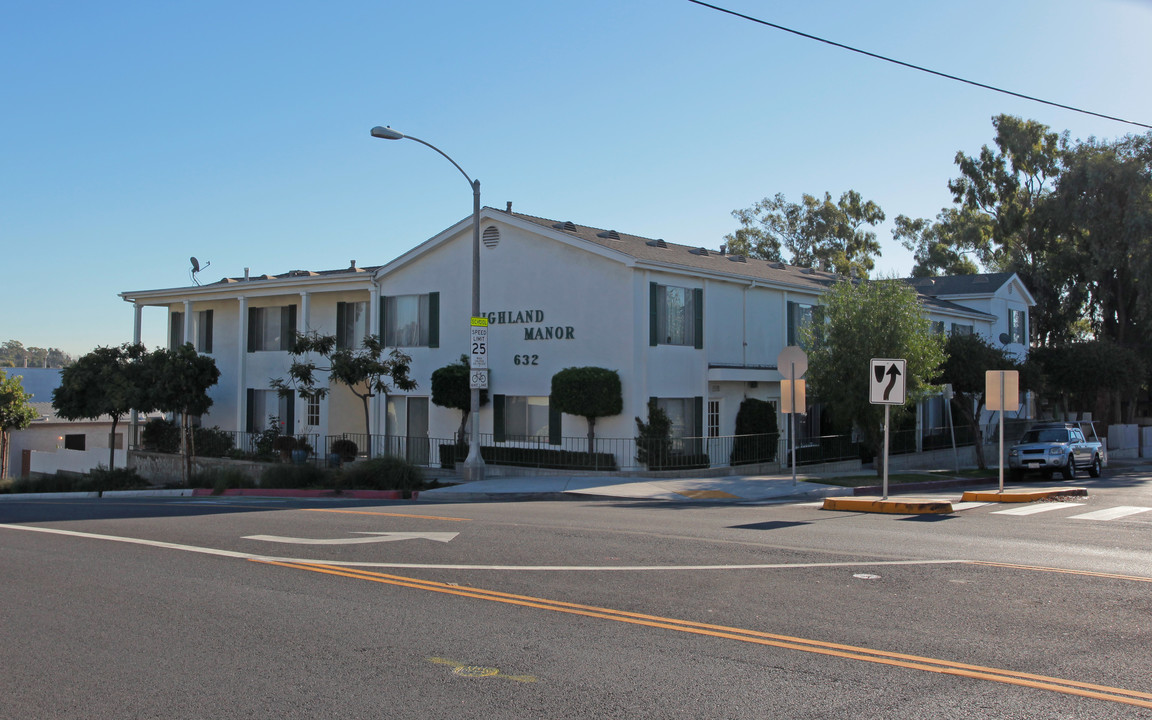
column 915, row 67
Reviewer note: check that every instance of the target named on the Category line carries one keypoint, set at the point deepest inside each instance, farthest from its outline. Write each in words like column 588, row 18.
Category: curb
column 923, row 486
column 906, row 506
column 1022, row 496
column 337, row 494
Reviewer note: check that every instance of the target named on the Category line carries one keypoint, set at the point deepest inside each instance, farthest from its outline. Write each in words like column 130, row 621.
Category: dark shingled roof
column 695, row 258
column 979, row 284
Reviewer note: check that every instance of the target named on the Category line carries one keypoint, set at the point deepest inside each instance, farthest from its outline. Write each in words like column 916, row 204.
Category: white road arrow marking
column 377, row 537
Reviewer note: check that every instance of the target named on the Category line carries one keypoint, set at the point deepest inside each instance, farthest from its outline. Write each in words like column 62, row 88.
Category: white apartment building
column 696, row 329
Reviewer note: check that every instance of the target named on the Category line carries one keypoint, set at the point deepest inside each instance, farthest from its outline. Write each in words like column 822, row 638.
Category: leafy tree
column 969, row 358
column 106, row 381
column 364, row 370
column 177, row 381
column 1104, row 199
column 1077, row 375
column 757, row 433
column 654, row 438
column 451, row 389
column 943, row 247
column 589, row 392
column 871, row 319
column 14, row 354
column 16, row 413
column 818, row 233
column 1012, row 187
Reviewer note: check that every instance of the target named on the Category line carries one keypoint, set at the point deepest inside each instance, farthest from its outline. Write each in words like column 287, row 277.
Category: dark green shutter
column 383, row 321
column 176, row 331
column 653, row 314
column 554, row 423
column 250, row 411
column 698, row 303
column 288, row 327
column 251, row 331
column 791, row 322
column 207, row 332
column 698, row 411
column 434, row 320
column 498, row 430
column 341, row 319
column 290, row 420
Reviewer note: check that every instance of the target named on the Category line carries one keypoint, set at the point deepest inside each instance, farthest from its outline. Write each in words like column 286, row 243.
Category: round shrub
column 384, row 473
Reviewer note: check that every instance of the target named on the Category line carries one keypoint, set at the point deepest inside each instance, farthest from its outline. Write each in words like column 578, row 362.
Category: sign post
column 887, row 381
column 1002, row 394
column 792, row 362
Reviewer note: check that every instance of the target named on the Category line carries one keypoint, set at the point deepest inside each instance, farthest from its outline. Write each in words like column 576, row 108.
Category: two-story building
column 696, row 329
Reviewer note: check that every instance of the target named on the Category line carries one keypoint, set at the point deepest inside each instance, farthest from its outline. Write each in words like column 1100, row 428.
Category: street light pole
column 474, row 464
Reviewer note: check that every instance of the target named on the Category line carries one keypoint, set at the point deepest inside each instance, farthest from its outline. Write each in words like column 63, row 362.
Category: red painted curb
column 269, row 492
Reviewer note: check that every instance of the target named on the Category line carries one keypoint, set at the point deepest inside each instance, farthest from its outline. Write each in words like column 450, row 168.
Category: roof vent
column 491, row 236
column 566, row 226
column 981, row 280
column 657, row 243
column 808, row 271
column 738, row 258
column 609, row 234
column 702, row 252
column 924, row 282
column 778, row 265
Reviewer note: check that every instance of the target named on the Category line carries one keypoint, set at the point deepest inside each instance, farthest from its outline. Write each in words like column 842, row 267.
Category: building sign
column 537, row 327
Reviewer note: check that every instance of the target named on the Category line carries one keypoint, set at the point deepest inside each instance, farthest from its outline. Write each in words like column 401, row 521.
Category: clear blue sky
column 136, row 134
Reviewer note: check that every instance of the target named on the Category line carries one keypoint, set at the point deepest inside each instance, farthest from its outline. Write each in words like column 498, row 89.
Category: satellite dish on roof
column 196, row 268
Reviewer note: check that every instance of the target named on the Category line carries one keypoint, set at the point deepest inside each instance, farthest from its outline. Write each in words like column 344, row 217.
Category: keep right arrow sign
column 887, row 379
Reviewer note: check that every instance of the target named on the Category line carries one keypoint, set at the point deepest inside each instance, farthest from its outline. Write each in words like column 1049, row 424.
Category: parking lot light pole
column 474, row 464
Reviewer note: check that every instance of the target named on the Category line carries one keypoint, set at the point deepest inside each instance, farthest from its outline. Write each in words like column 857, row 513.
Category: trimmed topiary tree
column 589, row 392
column 757, row 433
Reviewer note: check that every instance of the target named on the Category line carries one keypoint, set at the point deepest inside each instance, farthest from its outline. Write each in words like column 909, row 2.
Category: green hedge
column 531, row 457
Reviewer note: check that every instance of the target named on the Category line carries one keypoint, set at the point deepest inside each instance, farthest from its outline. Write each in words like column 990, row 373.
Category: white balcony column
column 189, row 336
column 377, row 402
column 137, row 332
column 305, row 312
column 242, row 365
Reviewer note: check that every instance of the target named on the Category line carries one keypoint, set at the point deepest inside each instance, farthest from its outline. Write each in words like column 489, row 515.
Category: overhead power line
column 915, row 67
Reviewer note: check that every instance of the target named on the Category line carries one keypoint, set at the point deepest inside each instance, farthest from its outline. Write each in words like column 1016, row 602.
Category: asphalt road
column 255, row 608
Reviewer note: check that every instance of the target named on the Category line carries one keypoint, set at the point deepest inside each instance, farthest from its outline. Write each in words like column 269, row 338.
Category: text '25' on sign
column 886, row 381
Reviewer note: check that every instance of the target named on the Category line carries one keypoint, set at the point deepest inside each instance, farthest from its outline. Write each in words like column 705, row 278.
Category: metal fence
column 574, row 454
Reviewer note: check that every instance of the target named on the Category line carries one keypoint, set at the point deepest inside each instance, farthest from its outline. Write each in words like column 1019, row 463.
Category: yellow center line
column 388, row 514
column 850, row 652
column 1039, row 568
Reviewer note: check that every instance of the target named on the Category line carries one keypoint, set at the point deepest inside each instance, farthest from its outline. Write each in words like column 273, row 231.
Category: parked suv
column 1048, row 447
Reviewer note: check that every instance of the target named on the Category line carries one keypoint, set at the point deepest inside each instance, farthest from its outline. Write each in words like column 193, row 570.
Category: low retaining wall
column 164, row 468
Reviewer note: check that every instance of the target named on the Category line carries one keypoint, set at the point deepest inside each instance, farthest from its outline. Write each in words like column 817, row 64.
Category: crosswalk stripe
column 967, row 505
column 1111, row 513
column 1033, row 509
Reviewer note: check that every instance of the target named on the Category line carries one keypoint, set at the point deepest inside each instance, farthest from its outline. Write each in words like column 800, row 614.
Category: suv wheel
column 1069, row 470
column 1095, row 468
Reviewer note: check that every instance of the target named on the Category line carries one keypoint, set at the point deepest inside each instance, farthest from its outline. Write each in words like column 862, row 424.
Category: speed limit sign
column 479, row 337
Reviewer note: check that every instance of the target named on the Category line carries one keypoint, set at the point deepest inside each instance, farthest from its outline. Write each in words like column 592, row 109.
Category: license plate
column 1034, row 465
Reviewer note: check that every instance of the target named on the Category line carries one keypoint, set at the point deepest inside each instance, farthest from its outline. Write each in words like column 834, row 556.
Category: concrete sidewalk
column 728, row 489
